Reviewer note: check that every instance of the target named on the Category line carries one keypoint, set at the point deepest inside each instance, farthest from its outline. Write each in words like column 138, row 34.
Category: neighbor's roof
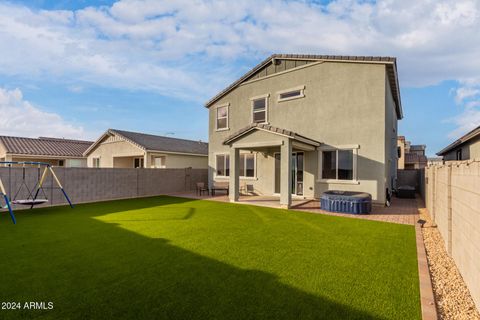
column 272, row 129
column 390, row 62
column 415, row 158
column 467, row 137
column 45, row 146
column 151, row 142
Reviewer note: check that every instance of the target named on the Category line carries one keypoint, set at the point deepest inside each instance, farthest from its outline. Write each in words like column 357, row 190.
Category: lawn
column 175, row 258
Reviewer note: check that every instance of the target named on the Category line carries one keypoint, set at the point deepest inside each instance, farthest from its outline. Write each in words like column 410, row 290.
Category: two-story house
column 467, row 147
column 298, row 125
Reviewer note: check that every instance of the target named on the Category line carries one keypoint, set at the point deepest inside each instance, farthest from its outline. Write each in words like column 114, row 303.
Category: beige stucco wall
column 180, row 160
column 453, row 201
column 115, row 152
column 344, row 104
column 470, row 150
column 401, row 160
column 111, row 149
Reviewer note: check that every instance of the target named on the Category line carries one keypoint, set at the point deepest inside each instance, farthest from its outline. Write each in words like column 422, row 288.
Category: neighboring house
column 410, row 156
column 124, row 149
column 434, row 160
column 465, row 148
column 55, row 151
column 298, row 125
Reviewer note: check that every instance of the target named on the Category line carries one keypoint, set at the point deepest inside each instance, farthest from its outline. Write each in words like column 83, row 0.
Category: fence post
column 434, row 193
column 449, row 209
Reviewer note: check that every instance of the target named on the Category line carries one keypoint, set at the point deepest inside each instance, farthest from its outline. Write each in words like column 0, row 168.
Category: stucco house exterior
column 411, row 156
column 465, row 148
column 299, row 125
column 125, row 149
column 55, row 151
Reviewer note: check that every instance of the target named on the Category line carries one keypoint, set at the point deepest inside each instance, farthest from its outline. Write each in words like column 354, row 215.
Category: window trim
column 354, row 148
column 141, row 161
column 98, row 162
column 252, row 100
column 240, row 176
column 164, row 158
column 226, row 105
column 298, row 88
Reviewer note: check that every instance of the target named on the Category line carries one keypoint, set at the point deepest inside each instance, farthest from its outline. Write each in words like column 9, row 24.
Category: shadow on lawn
column 107, row 272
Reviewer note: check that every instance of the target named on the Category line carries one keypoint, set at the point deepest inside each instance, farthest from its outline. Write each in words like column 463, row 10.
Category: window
column 138, row 163
column 96, row 162
column 338, row 164
column 223, row 165
column 259, row 109
column 160, row 162
column 459, row 154
column 61, row 163
column 75, row 163
column 247, row 165
column 290, row 94
column 222, row 117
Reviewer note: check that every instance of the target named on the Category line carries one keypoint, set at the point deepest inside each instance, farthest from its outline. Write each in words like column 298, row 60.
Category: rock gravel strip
column 452, row 297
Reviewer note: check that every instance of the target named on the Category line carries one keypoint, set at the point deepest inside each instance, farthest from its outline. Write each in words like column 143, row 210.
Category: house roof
column 390, row 62
column 150, row 142
column 272, row 129
column 45, row 146
column 415, row 158
column 465, row 138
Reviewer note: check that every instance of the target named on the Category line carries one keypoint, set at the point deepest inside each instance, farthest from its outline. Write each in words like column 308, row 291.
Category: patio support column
column 234, row 186
column 286, row 174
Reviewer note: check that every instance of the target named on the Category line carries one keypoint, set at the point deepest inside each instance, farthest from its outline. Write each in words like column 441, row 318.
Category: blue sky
column 76, row 68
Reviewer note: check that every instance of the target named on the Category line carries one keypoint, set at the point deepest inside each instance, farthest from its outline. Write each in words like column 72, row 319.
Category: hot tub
column 346, row 202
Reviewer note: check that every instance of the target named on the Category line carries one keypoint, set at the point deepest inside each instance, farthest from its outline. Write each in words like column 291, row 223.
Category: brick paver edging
column 427, row 300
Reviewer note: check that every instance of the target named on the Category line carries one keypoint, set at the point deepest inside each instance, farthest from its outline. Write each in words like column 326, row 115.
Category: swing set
column 32, row 198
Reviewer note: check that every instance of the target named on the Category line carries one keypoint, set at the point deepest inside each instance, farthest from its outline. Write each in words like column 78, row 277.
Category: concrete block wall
column 99, row 184
column 453, row 201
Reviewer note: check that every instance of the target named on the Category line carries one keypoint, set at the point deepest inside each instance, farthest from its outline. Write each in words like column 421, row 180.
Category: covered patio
column 284, row 145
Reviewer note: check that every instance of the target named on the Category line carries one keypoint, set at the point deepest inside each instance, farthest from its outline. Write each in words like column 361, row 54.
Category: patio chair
column 201, row 188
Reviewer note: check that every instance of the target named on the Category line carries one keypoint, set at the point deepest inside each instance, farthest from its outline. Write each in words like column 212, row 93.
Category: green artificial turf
column 175, row 258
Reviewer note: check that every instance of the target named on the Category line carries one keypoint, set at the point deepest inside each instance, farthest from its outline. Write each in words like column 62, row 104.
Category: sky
column 76, row 68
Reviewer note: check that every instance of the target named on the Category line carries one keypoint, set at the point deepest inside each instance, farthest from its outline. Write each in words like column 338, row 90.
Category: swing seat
column 29, row 202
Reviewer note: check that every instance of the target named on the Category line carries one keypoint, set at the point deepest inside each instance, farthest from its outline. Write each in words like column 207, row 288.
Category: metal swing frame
column 48, row 168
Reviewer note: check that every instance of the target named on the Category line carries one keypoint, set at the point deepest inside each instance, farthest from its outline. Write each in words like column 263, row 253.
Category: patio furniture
column 246, row 189
column 201, row 188
column 220, row 186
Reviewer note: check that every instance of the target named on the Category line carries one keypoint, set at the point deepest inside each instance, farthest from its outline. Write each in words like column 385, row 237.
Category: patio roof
column 265, row 127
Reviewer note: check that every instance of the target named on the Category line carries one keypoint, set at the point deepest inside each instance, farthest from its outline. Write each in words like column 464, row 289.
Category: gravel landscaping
column 451, row 294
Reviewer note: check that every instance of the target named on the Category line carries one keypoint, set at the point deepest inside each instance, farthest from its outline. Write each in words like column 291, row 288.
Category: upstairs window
column 290, row 94
column 259, row 109
column 222, row 117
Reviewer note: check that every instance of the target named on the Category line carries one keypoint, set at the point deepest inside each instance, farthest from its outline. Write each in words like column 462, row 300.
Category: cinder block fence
column 99, row 184
column 453, row 201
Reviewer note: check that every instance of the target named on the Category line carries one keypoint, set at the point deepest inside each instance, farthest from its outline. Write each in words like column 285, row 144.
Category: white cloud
column 191, row 49
column 178, row 47
column 21, row 118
